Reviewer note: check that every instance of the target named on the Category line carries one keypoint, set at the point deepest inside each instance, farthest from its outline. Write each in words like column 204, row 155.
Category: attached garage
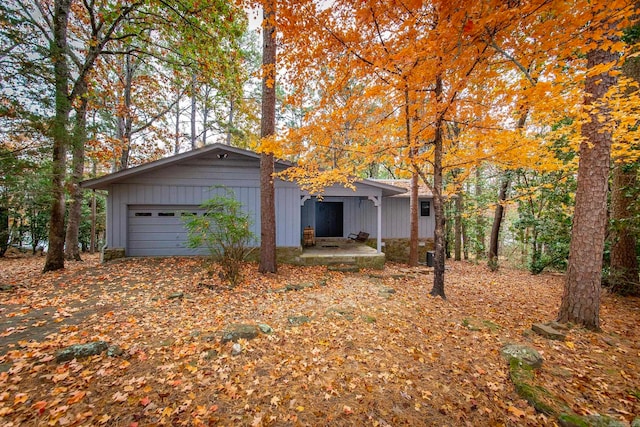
column 146, row 204
column 157, row 230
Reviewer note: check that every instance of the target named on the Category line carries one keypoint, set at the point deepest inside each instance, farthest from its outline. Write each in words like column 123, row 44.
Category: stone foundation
column 109, row 254
column 284, row 255
column 397, row 250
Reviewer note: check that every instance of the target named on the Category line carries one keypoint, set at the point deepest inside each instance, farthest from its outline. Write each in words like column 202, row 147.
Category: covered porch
column 340, row 211
column 339, row 250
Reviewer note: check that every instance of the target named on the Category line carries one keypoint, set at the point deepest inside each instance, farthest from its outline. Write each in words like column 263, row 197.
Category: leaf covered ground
column 375, row 350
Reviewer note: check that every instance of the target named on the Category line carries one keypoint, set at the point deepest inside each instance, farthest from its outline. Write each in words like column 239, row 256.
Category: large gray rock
column 237, row 331
column 523, row 354
column 298, row 320
column 79, row 351
column 548, row 330
column 298, row 286
column 265, row 329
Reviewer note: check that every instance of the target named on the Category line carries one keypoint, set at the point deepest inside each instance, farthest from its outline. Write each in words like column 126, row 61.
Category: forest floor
column 366, row 348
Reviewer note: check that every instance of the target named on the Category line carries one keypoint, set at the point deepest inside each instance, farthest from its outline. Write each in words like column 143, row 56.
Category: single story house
column 145, row 204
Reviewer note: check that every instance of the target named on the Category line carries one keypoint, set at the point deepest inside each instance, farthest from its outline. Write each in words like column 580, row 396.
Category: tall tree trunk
column 581, row 297
column 125, row 121
column 268, row 125
column 94, row 217
column 193, row 111
column 206, row 111
column 72, row 249
column 413, row 198
column 459, row 205
column 414, row 209
column 55, row 253
column 176, row 149
column 623, row 272
column 4, row 230
column 500, row 207
column 438, row 202
column 497, row 221
column 230, row 121
column 480, row 221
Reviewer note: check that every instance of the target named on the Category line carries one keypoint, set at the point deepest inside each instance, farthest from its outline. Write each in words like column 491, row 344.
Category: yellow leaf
column 5, row 411
column 300, row 408
column 104, row 419
column 571, row 345
column 20, row 398
column 517, row 412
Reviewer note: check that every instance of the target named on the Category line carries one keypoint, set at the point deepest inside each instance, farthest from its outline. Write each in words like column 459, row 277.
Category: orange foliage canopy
column 365, row 75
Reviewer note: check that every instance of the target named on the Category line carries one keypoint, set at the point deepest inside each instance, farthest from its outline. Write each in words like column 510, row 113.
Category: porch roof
column 423, row 190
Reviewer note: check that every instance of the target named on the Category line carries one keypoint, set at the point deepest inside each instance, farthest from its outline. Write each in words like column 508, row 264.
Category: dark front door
column 329, row 219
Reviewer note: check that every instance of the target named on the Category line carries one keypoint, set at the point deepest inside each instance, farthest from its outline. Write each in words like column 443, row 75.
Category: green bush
column 224, row 230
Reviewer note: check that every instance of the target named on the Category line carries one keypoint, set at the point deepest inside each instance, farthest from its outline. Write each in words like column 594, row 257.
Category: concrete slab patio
column 333, row 251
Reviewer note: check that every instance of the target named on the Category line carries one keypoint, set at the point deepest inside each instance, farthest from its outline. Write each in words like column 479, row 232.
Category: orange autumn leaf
column 76, row 397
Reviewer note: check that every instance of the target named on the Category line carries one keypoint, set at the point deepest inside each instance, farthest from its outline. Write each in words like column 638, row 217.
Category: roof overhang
column 219, row 150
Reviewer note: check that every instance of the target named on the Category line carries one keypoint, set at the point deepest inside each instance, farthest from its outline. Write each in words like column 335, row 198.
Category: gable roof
column 219, row 150
column 208, row 150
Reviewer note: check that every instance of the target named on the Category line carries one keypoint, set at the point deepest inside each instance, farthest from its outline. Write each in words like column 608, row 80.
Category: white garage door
column 159, row 231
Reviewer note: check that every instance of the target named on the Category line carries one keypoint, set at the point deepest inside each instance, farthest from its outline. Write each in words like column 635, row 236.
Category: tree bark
column 193, row 111
column 459, row 205
column 72, row 248
column 438, row 203
column 480, row 221
column 125, row 121
column 413, row 198
column 176, row 149
column 581, row 297
column 413, row 233
column 623, row 272
column 497, row 221
column 268, row 126
column 60, row 135
column 232, row 106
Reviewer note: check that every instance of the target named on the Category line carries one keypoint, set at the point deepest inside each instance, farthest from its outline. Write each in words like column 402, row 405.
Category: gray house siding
column 189, row 186
column 359, row 214
column 145, row 204
column 396, row 219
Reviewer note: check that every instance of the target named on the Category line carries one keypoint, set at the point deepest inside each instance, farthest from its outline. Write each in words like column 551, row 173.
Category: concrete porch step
column 375, row 260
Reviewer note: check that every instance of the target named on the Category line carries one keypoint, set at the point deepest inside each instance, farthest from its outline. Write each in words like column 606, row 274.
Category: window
column 143, row 214
column 188, row 214
column 425, row 208
column 166, row 214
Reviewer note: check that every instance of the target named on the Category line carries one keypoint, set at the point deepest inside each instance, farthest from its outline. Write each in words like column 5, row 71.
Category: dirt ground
column 367, row 348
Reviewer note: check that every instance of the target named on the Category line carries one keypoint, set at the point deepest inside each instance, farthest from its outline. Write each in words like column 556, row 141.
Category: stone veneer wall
column 397, row 250
column 285, row 255
column 109, row 254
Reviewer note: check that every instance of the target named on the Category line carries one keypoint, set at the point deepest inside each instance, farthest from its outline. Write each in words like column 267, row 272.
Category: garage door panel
column 158, row 237
column 159, row 231
column 157, row 228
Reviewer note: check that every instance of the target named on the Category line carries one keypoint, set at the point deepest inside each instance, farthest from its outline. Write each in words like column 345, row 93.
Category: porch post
column 377, row 202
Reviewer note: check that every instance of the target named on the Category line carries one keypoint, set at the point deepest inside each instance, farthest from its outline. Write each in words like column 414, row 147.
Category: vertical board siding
column 359, row 214
column 396, row 219
column 121, row 196
column 190, row 185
